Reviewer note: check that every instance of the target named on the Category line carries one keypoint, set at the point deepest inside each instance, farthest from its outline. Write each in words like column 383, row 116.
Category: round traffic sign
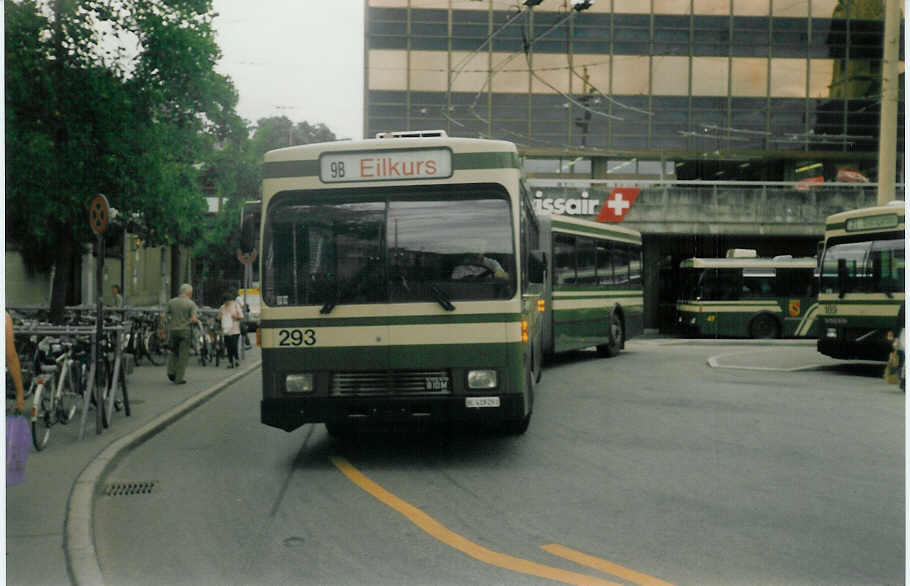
column 246, row 257
column 98, row 214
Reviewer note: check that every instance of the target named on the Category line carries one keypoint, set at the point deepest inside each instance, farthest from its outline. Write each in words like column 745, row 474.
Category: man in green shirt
column 180, row 314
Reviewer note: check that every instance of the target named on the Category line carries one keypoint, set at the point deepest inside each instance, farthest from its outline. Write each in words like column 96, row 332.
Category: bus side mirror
column 842, row 276
column 537, row 266
column 249, row 225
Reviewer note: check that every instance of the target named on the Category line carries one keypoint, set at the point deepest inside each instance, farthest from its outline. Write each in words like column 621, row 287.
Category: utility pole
column 887, row 133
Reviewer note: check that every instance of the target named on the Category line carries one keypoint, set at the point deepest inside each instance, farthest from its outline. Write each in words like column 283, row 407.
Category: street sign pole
column 98, row 215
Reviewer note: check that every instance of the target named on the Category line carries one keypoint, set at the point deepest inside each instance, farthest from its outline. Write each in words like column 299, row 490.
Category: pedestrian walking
column 231, row 316
column 118, row 298
column 176, row 323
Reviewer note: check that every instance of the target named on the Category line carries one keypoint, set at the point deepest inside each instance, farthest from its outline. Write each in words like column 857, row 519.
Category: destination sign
column 872, row 222
column 385, row 165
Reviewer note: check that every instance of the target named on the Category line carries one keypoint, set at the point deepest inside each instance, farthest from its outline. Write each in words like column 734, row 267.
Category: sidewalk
column 36, row 510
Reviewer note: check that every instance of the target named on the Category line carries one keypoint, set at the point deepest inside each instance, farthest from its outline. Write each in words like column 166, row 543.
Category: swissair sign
column 615, row 207
column 386, row 165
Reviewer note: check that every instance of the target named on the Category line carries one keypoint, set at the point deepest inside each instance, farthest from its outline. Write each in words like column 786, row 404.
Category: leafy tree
column 88, row 113
column 279, row 131
column 234, row 175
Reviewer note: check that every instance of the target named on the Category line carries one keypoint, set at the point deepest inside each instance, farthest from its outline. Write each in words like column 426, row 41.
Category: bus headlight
column 299, row 383
column 482, row 379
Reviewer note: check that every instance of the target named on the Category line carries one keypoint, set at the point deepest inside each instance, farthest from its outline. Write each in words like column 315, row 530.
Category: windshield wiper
column 331, row 303
column 441, row 298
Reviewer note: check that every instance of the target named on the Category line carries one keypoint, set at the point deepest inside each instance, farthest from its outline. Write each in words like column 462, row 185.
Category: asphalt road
column 650, row 468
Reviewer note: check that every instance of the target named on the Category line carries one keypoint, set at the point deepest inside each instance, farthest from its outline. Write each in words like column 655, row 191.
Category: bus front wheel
column 520, row 426
column 764, row 326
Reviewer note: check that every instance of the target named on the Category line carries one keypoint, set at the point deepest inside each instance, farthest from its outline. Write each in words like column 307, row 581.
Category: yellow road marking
column 603, row 565
column 459, row 542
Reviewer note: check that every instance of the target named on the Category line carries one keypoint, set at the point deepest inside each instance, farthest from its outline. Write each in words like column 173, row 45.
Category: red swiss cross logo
column 617, row 204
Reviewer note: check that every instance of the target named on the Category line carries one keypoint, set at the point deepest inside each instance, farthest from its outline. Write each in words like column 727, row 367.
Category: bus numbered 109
column 594, row 296
column 862, row 282
column 400, row 280
column 746, row 296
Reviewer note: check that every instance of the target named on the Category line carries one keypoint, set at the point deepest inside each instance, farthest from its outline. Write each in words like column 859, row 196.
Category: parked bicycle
column 201, row 343
column 57, row 387
column 142, row 339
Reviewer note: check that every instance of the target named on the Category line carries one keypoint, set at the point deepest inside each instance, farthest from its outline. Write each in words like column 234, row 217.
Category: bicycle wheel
column 41, row 417
column 110, row 406
column 152, row 348
column 102, row 377
column 68, row 401
column 202, row 348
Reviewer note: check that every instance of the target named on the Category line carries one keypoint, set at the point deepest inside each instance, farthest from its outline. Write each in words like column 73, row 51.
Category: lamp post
column 291, row 126
column 887, row 125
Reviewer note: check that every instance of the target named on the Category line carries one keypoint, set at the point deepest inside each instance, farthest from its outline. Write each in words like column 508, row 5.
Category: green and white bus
column 399, row 282
column 862, row 282
column 594, row 296
column 747, row 296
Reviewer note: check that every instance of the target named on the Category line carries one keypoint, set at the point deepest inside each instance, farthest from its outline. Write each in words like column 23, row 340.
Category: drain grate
column 130, row 488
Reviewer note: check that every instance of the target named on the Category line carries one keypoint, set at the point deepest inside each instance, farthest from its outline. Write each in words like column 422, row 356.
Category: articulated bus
column 862, row 282
column 594, row 296
column 400, row 283
column 746, row 296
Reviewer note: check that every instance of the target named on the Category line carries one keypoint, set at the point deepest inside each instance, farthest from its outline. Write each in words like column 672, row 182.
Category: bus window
column 318, row 253
column 584, row 268
column 721, row 284
column 758, row 283
column 604, row 264
column 455, row 245
column 563, row 259
column 622, row 259
column 887, row 265
column 796, row 283
column 635, row 270
column 851, row 255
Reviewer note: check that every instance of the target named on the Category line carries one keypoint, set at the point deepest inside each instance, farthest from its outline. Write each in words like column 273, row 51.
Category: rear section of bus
column 391, row 284
column 594, row 293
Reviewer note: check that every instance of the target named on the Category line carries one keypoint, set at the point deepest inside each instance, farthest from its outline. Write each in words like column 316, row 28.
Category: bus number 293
column 296, row 337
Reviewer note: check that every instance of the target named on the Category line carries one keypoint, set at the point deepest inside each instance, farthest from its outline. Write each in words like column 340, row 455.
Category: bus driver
column 474, row 265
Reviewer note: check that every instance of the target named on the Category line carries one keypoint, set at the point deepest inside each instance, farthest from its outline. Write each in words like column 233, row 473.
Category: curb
column 713, row 363
column 78, row 534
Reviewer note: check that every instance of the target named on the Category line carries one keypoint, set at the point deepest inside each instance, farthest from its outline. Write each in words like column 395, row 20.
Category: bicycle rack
column 89, row 332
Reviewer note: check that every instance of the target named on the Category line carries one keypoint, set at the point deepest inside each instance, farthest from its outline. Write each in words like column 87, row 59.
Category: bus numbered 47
column 862, row 282
column 400, row 283
column 594, row 296
column 743, row 295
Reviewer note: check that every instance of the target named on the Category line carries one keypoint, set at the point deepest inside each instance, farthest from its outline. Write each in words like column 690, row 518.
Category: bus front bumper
column 289, row 413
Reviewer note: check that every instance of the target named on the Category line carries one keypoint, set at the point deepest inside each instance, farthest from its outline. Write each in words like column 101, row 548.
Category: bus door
column 797, row 290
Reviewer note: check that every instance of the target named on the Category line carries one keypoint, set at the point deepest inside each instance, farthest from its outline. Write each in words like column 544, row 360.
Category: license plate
column 480, row 402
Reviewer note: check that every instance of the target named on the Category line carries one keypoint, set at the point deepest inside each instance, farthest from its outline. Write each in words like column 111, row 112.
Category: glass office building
column 688, row 89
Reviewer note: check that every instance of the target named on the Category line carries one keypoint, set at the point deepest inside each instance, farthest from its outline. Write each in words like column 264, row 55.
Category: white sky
column 297, row 58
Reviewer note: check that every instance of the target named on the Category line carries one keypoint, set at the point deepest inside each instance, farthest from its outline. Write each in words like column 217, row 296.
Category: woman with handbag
column 230, row 316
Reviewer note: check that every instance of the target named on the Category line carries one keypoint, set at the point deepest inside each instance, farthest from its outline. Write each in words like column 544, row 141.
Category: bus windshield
column 398, row 244
column 875, row 266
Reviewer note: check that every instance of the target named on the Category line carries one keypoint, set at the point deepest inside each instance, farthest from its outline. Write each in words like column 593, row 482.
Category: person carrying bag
column 231, row 316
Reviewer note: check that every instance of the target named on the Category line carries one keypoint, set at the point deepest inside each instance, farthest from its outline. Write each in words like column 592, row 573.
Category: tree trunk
column 62, row 279
column 175, row 270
